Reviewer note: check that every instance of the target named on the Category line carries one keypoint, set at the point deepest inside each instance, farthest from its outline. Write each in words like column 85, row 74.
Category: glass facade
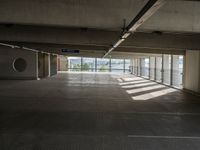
column 152, row 67
column 127, row 63
column 74, row 64
column 103, row 65
column 88, row 64
column 159, row 69
column 145, row 67
column 167, row 69
column 177, row 68
column 117, row 65
column 98, row 64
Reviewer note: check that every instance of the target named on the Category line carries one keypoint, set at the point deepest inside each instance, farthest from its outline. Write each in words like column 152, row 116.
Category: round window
column 19, row 64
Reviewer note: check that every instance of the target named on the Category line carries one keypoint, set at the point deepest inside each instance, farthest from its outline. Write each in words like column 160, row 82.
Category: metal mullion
column 171, row 77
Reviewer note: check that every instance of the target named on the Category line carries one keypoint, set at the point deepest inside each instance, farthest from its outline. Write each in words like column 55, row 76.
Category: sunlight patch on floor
column 132, row 79
column 133, row 82
column 151, row 95
column 138, row 85
column 145, row 89
column 119, row 80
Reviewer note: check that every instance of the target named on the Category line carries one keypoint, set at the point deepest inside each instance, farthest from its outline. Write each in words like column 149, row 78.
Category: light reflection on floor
column 142, row 89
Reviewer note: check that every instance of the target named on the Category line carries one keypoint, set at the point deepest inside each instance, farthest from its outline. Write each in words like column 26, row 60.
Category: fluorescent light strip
column 118, row 43
column 151, row 95
column 126, row 35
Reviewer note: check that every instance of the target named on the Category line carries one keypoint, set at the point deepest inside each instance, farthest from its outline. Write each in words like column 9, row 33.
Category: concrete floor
column 97, row 112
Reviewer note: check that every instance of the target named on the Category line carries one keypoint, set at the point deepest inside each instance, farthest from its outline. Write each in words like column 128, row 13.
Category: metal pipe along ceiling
column 146, row 12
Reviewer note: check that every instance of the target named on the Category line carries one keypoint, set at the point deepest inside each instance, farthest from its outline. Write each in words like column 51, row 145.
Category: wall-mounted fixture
column 19, row 65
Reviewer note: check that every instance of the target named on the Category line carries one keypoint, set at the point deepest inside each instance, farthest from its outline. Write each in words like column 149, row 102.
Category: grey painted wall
column 9, row 55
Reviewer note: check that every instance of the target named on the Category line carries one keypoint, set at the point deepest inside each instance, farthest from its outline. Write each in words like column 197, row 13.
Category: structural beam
column 147, row 11
column 57, row 49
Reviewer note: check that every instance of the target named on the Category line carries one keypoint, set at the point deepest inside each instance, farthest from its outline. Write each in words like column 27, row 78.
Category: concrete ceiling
column 176, row 16
column 98, row 14
column 96, row 25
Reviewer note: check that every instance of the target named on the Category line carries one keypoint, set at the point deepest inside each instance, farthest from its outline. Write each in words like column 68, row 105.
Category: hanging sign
column 70, row 51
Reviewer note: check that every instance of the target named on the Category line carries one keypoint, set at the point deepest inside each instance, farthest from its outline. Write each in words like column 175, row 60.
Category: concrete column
column 43, row 65
column 53, row 65
column 46, row 65
column 192, row 71
column 49, row 65
column 36, row 66
column 63, row 63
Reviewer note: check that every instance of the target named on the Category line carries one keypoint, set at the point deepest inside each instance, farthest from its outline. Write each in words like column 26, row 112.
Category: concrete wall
column 53, row 65
column 9, row 55
column 192, row 71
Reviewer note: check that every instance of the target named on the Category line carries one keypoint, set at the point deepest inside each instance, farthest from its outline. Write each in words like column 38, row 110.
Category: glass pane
column 103, row 65
column 136, row 67
column 145, row 67
column 159, row 69
column 152, row 68
column 88, row 64
column 177, row 78
column 117, row 65
column 139, row 67
column 74, row 63
column 127, row 65
column 167, row 69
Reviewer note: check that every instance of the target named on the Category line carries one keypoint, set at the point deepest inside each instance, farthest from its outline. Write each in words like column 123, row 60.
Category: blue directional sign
column 70, row 51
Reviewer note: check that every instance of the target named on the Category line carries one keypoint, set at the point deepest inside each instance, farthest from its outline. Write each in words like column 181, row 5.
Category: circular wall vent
column 19, row 64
